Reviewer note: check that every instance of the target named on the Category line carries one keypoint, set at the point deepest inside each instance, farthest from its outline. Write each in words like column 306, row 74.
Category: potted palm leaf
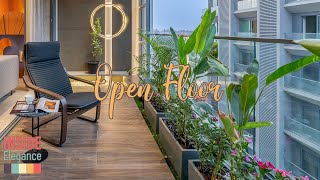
column 97, row 51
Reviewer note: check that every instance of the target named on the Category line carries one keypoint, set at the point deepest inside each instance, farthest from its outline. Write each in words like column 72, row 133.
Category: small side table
column 43, row 152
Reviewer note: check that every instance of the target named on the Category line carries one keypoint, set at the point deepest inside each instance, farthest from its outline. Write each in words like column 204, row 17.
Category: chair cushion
column 82, row 100
column 45, row 68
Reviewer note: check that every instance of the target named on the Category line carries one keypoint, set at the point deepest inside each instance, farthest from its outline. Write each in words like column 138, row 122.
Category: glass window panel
column 312, row 72
column 245, row 26
column 311, row 24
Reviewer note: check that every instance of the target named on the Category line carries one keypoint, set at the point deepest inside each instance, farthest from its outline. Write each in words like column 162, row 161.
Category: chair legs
column 64, row 125
column 98, row 109
column 64, row 128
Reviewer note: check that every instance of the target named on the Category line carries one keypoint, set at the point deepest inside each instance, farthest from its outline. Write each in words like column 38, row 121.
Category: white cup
column 29, row 98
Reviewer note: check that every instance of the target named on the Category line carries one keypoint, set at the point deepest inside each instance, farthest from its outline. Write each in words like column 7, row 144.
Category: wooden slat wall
column 12, row 17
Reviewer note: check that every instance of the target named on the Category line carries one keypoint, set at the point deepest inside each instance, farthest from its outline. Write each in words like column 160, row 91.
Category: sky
column 179, row 14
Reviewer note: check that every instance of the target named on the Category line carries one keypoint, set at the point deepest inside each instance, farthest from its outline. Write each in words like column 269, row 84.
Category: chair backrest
column 45, row 69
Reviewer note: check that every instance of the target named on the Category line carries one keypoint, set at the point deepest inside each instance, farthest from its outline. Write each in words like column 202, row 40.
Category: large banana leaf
column 182, row 56
column 202, row 34
column 234, row 101
column 253, row 68
column 191, row 42
column 254, row 125
column 313, row 45
column 175, row 37
column 247, row 94
column 228, row 125
column 210, row 42
column 201, row 67
column 291, row 67
column 218, row 68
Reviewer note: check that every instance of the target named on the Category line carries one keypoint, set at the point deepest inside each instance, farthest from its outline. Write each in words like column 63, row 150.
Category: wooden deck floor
column 122, row 148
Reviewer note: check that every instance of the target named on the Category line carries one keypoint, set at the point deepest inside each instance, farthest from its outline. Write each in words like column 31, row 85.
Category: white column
column 108, row 32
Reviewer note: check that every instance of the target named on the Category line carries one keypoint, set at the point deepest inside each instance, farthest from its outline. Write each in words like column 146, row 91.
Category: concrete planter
column 153, row 116
column 193, row 172
column 177, row 155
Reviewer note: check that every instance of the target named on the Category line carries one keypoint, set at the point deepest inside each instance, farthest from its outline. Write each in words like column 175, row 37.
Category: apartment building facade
column 293, row 103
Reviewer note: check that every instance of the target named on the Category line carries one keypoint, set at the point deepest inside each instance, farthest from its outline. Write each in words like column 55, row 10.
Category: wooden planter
column 177, row 155
column 193, row 172
column 153, row 116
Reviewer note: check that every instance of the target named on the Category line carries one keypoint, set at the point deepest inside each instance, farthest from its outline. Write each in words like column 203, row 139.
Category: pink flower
column 255, row 174
column 282, row 172
column 256, row 159
column 247, row 159
column 304, row 178
column 215, row 118
column 265, row 165
column 249, row 139
column 234, row 153
column 158, row 95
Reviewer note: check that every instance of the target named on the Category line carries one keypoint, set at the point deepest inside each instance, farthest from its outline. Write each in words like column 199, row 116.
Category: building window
column 249, row 26
column 311, row 27
column 305, row 113
column 301, row 160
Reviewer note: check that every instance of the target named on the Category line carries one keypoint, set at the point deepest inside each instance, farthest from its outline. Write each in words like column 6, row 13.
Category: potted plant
column 213, row 147
column 174, row 132
column 163, row 53
column 97, row 51
column 242, row 100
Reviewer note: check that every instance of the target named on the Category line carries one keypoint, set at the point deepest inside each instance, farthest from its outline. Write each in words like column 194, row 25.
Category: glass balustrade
column 297, row 170
column 246, row 34
column 246, row 4
column 297, row 127
column 297, row 36
column 302, row 84
column 293, row 1
column 237, row 52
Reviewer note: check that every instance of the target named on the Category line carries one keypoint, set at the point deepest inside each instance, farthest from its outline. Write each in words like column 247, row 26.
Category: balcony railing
column 291, row 1
column 240, row 67
column 297, row 170
column 297, row 36
column 246, row 4
column 309, row 86
column 302, row 130
column 246, row 34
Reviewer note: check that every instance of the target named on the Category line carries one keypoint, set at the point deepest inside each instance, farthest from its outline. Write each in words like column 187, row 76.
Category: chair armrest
column 81, row 80
column 56, row 96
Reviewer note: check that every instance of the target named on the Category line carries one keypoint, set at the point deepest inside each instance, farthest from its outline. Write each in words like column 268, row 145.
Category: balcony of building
column 302, row 6
column 298, row 50
column 303, row 88
column 245, row 45
column 299, row 129
column 299, row 171
column 246, row 8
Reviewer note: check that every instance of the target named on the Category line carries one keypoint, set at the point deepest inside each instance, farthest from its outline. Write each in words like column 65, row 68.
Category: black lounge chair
column 46, row 75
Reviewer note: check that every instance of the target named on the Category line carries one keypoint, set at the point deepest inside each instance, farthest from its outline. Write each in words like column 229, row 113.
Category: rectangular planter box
column 193, row 172
column 176, row 154
column 153, row 116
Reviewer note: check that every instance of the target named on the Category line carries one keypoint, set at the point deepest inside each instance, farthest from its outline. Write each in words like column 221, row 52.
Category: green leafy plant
column 143, row 69
column 199, row 45
column 210, row 141
column 163, row 53
column 96, row 41
column 242, row 99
